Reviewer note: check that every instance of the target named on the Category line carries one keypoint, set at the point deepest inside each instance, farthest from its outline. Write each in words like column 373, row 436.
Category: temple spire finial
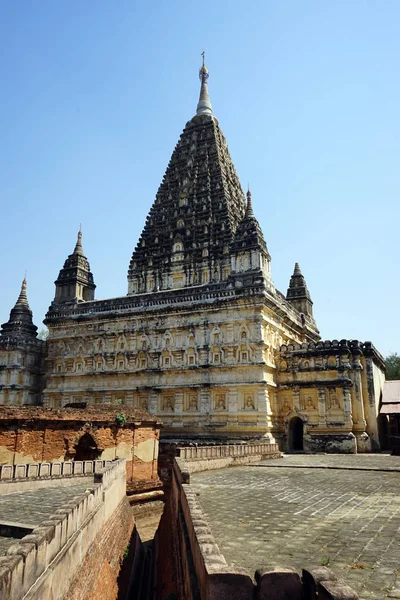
column 297, row 270
column 78, row 245
column 249, row 207
column 204, row 105
column 22, row 298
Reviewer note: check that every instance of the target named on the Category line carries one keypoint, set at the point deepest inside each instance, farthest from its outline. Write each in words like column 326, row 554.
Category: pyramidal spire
column 78, row 245
column 249, row 207
column 298, row 294
column 20, row 325
column 75, row 281
column 297, row 272
column 204, row 105
column 22, row 298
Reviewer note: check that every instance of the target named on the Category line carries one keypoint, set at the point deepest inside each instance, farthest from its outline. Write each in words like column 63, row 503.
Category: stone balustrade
column 51, row 469
column 227, row 450
column 45, row 562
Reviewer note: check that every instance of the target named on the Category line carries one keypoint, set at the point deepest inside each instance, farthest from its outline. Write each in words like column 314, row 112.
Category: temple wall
column 333, row 388
column 21, row 373
column 204, row 372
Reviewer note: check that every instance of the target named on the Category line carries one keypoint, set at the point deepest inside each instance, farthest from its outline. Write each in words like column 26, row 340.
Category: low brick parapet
column 30, row 568
column 42, row 470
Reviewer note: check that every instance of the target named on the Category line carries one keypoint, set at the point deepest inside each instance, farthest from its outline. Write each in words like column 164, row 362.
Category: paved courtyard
column 305, row 511
column 31, row 508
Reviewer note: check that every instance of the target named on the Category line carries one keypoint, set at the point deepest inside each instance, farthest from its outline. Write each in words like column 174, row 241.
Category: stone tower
column 21, row 356
column 298, row 294
column 196, row 338
column 75, row 280
column 198, row 207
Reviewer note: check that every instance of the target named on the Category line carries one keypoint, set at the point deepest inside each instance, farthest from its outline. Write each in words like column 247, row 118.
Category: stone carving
column 220, row 402
column 192, row 403
column 249, row 403
column 333, row 401
column 309, row 405
column 168, row 404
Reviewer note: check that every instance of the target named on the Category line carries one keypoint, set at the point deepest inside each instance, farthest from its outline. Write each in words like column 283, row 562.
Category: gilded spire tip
column 204, row 105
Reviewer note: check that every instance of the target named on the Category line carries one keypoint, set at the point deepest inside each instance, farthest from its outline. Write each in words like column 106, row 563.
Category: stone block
column 11, row 576
column 336, row 590
column 7, row 471
column 98, row 465
column 33, row 470
column 44, row 469
column 227, row 585
column 78, row 467
column 20, row 471
column 88, row 466
column 312, row 578
column 56, row 469
column 278, row 584
column 67, row 468
column 28, row 552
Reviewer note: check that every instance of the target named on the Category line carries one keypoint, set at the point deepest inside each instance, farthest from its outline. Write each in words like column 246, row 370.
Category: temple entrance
column 86, row 448
column 295, row 434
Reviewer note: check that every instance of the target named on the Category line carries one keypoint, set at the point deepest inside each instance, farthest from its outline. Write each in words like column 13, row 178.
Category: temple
column 203, row 339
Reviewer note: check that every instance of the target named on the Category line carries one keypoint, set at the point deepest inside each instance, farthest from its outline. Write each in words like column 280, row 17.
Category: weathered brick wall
column 37, row 434
column 145, row 459
column 98, row 575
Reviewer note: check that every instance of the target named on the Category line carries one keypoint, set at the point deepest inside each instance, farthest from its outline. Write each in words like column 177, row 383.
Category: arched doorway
column 295, row 434
column 86, row 448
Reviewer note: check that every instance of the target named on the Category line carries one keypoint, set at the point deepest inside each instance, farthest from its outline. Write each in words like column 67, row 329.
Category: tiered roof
column 200, row 201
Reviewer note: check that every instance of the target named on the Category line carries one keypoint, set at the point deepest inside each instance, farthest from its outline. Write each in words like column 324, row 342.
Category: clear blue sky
column 95, row 95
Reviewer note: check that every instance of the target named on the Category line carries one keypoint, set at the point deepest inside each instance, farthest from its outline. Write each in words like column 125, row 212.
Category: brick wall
column 98, row 575
column 35, row 434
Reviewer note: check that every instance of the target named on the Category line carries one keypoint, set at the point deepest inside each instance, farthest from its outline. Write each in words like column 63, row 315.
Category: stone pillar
column 370, row 404
column 129, row 398
column 322, row 407
column 153, row 402
column 178, row 409
column 263, row 406
column 359, row 422
column 205, row 401
column 232, row 405
column 296, row 399
column 357, row 399
column 347, row 408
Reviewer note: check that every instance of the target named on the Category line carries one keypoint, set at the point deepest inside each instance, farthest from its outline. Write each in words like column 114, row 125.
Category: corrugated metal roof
column 391, row 392
column 390, row 409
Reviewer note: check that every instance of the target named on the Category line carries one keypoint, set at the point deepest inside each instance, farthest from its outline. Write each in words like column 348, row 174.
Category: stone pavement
column 346, row 517
column 31, row 508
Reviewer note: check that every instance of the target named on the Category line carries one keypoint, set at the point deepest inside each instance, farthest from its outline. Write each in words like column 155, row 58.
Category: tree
column 43, row 334
column 392, row 366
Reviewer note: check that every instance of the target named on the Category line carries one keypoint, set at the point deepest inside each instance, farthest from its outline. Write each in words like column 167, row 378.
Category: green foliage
column 393, row 366
column 120, row 419
column 43, row 334
column 126, row 552
column 325, row 560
